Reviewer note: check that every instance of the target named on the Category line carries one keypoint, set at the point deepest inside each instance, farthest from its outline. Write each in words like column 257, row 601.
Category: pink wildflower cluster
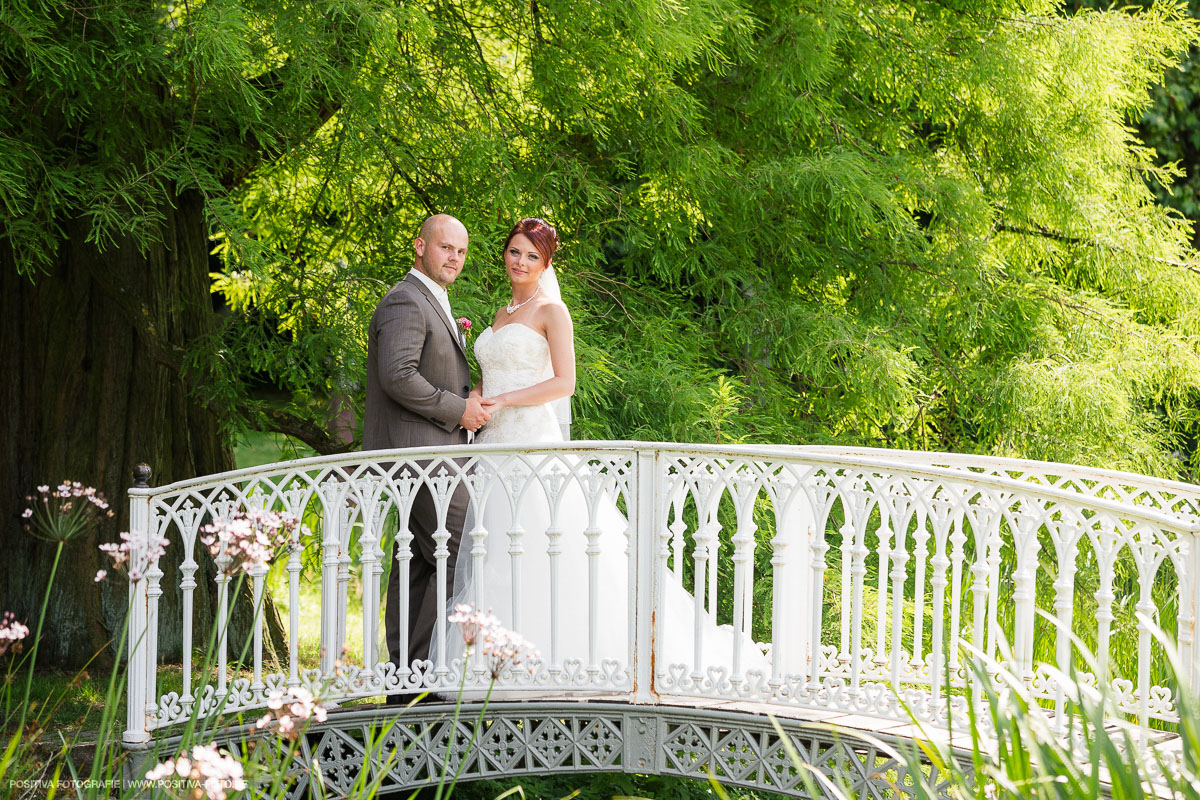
column 249, row 539
column 209, row 774
column 136, row 552
column 11, row 631
column 61, row 513
column 501, row 646
column 284, row 714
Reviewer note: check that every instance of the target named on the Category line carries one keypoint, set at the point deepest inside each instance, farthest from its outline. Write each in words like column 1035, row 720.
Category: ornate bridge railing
column 802, row 578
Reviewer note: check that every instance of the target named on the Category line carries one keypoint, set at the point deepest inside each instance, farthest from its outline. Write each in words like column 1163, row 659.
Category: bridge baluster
column 920, row 557
column 901, row 511
column 517, row 480
column 187, row 586
column 943, row 506
column 482, row 480
column 555, row 480
column 745, row 486
column 333, row 494
column 708, row 500
column 1105, row 548
column 1027, row 521
column 293, row 570
column 846, row 545
column 258, row 501
column 404, row 487
column 593, row 483
column 662, row 572
column 153, row 581
column 442, row 485
column 1065, row 533
column 958, row 541
column 984, row 519
column 345, row 528
column 257, row 576
column 1149, row 555
column 981, row 515
column 821, row 494
column 790, row 590
column 862, row 503
column 373, row 511
column 884, row 554
column 223, row 560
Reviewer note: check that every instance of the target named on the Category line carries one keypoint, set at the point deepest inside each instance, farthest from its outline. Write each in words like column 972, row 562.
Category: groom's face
column 441, row 253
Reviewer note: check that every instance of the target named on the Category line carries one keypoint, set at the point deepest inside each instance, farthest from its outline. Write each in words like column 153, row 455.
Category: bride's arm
column 561, row 336
column 477, row 389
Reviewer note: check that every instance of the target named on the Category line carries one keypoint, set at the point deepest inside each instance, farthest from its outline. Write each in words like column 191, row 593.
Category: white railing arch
column 873, row 567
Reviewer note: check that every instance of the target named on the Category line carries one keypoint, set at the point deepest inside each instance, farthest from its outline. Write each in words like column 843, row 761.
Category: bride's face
column 523, row 262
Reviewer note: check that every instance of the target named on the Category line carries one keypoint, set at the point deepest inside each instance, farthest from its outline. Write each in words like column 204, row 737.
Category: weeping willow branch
column 1041, row 231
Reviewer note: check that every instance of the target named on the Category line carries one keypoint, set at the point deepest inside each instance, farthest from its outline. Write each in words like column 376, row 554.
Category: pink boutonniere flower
column 464, row 325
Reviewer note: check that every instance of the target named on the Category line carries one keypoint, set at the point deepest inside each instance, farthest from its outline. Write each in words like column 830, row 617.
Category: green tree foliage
column 917, row 224
column 920, row 224
column 1171, row 123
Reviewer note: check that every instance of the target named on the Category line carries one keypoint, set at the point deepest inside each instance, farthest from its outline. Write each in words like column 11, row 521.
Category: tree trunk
column 87, row 394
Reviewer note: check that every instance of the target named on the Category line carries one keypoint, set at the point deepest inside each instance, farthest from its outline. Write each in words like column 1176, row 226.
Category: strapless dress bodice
column 515, row 357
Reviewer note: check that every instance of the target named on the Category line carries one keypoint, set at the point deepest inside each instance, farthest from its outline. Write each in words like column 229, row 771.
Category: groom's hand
column 476, row 416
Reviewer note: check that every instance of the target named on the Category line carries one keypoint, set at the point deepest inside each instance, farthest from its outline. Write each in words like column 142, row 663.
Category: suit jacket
column 417, row 374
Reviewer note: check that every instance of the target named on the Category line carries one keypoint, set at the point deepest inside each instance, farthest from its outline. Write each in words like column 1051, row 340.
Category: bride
column 527, row 360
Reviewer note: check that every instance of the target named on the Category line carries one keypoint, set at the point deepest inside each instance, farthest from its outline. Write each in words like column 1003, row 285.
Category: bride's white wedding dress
column 514, row 357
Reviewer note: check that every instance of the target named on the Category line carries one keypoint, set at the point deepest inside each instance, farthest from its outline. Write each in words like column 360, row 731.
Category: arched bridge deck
column 847, row 583
column 404, row 749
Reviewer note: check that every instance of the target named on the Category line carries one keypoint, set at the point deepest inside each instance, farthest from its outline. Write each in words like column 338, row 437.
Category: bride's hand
column 494, row 404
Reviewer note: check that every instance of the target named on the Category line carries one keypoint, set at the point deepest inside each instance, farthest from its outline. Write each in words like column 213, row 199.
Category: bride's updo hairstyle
column 538, row 231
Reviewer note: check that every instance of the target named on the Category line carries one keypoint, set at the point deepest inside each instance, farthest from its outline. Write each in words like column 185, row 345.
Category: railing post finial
column 141, row 475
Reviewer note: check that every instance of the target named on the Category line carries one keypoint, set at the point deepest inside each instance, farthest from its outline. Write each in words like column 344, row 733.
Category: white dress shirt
column 443, row 297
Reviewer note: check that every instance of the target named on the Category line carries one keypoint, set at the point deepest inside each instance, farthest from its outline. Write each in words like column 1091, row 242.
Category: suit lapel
column 437, row 311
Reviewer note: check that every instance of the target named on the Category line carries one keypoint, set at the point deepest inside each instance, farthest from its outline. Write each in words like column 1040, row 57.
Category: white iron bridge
column 842, row 591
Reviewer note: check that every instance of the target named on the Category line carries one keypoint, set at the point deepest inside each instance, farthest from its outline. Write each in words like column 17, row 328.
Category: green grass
column 254, row 449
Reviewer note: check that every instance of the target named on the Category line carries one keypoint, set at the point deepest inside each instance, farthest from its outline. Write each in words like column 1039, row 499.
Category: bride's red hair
column 538, row 231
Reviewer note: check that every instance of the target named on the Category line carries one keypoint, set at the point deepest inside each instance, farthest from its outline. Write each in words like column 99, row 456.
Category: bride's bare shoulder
column 554, row 311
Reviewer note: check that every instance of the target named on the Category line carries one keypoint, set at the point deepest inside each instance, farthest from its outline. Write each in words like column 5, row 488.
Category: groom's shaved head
column 441, row 248
column 440, row 224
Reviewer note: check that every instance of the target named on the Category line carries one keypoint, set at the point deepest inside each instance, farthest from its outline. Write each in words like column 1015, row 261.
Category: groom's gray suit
column 417, row 384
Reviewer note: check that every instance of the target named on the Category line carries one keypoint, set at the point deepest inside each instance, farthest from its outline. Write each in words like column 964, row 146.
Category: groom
column 418, row 384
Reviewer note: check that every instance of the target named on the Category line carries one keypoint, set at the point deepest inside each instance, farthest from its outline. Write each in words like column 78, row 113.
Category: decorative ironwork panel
column 402, row 750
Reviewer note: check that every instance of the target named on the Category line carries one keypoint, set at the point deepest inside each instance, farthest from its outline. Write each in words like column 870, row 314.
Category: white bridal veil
column 562, row 407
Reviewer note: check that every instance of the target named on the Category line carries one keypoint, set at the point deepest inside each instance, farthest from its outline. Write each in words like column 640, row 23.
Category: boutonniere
column 464, row 325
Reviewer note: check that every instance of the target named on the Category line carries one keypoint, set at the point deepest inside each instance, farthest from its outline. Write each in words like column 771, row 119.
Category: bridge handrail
column 1036, row 470
column 856, row 457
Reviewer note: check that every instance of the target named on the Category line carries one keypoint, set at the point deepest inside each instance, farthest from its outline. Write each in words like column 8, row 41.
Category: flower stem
column 474, row 736
column 37, row 639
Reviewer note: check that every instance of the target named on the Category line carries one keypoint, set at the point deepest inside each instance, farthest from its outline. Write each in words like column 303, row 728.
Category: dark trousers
column 423, row 600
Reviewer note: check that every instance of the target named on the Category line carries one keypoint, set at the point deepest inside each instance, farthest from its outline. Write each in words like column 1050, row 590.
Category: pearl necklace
column 511, row 307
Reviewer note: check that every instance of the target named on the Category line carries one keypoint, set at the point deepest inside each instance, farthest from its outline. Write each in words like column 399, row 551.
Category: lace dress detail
column 516, row 357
